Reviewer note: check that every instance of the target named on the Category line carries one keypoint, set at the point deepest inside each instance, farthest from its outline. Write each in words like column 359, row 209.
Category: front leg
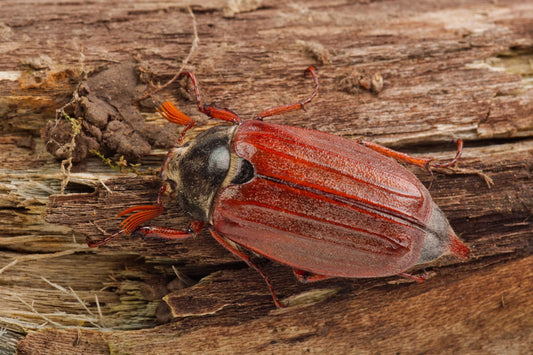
column 145, row 213
column 170, row 233
column 153, row 232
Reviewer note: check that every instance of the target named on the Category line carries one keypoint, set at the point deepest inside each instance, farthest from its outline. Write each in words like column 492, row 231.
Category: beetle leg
column 153, row 232
column 419, row 279
column 306, row 276
column 295, row 106
column 224, row 242
column 170, row 233
column 211, row 110
column 425, row 163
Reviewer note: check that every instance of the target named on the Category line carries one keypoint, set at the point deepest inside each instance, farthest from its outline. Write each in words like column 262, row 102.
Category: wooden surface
column 459, row 69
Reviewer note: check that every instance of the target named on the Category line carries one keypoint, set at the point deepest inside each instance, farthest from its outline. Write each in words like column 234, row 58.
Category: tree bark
column 411, row 76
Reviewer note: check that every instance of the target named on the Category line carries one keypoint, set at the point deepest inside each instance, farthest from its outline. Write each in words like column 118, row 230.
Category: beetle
column 324, row 205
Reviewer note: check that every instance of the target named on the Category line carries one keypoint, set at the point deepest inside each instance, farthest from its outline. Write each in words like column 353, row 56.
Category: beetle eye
column 172, row 184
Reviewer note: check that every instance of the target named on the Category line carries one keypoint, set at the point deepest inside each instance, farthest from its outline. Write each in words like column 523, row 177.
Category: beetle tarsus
column 454, row 160
column 100, row 242
column 427, row 167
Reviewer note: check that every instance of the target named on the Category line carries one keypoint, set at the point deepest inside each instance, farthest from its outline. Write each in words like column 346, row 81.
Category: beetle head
column 197, row 170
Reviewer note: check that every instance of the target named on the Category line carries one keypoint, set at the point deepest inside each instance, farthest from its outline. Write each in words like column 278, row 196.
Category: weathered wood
column 472, row 312
column 449, row 70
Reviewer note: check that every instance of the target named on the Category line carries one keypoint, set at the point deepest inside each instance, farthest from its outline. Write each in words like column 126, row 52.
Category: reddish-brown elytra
column 324, row 205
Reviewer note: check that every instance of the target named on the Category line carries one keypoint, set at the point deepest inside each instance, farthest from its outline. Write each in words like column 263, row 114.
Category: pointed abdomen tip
column 458, row 248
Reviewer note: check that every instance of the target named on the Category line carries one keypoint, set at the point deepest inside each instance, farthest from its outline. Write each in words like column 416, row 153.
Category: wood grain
column 456, row 69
